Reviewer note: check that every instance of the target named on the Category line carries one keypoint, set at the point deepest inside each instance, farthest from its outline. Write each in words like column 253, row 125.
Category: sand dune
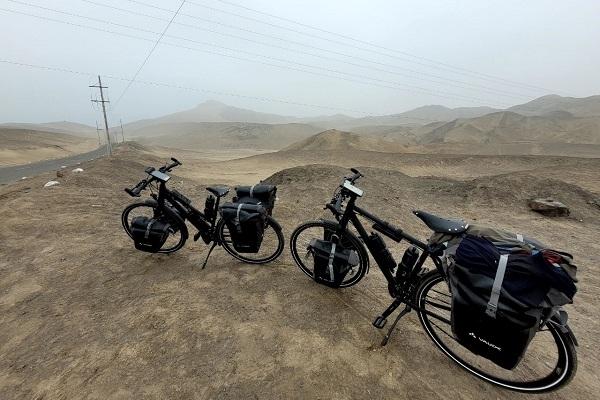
column 20, row 146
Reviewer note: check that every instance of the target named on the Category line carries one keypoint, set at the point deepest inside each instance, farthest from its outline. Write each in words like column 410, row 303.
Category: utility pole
column 122, row 134
column 99, row 86
column 98, row 132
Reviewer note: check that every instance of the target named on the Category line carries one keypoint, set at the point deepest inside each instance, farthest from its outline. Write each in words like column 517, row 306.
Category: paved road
column 12, row 174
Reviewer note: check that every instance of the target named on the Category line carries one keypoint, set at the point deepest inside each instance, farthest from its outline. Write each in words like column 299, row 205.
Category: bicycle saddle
column 443, row 225
column 218, row 191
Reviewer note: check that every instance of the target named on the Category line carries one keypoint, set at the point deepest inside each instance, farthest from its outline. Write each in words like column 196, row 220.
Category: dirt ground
column 85, row 315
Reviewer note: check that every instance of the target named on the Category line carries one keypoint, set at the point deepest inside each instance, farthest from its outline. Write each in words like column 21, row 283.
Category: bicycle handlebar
column 137, row 189
column 354, row 177
column 168, row 168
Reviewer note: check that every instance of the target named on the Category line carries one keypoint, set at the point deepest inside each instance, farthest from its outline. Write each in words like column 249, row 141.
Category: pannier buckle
column 491, row 310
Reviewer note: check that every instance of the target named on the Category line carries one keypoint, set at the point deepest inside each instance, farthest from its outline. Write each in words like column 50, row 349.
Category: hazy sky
column 406, row 55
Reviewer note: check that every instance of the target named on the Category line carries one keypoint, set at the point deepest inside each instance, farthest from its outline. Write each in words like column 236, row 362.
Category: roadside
column 15, row 173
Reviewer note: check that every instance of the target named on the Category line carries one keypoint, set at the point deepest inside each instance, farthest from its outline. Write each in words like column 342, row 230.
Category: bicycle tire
column 349, row 241
column 272, row 225
column 563, row 372
column 125, row 222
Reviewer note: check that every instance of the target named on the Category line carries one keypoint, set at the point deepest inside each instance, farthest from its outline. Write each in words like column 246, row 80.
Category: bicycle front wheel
column 270, row 248
column 302, row 236
column 176, row 238
column 549, row 362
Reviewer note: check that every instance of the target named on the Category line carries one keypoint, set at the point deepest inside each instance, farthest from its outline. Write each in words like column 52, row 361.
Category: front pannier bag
column 501, row 288
column 331, row 262
column 246, row 224
column 260, row 194
column 149, row 234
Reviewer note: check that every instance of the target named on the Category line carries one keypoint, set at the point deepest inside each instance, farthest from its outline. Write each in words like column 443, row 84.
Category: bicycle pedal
column 196, row 237
column 379, row 322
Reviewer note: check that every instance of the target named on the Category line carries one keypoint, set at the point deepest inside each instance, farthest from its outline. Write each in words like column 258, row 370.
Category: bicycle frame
column 175, row 208
column 350, row 215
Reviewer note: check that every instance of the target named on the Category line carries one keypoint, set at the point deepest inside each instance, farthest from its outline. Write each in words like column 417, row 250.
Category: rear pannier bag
column 263, row 195
column 149, row 234
column 500, row 289
column 331, row 262
column 246, row 224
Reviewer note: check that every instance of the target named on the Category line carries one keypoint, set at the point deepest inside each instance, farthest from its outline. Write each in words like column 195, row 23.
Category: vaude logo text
column 485, row 341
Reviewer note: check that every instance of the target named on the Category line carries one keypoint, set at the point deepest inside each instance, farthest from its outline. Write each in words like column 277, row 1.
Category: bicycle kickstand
column 402, row 313
column 208, row 255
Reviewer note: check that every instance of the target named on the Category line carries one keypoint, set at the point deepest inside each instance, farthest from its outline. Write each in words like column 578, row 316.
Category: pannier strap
column 492, row 305
column 330, row 266
column 148, row 227
column 238, row 225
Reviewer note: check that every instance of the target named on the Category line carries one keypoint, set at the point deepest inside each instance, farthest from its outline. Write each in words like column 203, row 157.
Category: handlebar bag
column 149, row 234
column 264, row 195
column 246, row 224
column 331, row 262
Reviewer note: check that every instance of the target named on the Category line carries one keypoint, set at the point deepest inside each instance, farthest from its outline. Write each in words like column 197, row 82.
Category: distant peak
column 211, row 103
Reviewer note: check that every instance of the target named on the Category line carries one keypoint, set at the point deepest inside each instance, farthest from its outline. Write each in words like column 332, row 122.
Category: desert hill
column 67, row 127
column 580, row 107
column 510, row 127
column 420, row 116
column 211, row 111
column 215, row 135
column 501, row 133
column 20, row 146
column 334, row 140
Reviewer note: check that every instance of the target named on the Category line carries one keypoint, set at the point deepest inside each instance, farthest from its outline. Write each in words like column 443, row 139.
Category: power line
column 187, row 88
column 409, row 88
column 369, row 43
column 432, row 63
column 219, row 93
column 149, row 53
column 461, row 84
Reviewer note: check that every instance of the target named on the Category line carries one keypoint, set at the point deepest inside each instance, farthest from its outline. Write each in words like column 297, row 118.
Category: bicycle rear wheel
column 550, row 360
column 176, row 238
column 271, row 247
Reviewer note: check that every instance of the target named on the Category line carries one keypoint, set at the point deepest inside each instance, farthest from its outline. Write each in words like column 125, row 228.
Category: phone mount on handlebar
column 353, row 189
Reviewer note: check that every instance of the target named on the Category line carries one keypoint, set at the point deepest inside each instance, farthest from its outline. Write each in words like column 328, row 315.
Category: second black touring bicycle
column 245, row 227
column 330, row 253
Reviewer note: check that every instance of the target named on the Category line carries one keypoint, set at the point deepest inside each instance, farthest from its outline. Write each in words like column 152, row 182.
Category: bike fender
column 151, row 202
column 274, row 224
column 562, row 325
column 331, row 221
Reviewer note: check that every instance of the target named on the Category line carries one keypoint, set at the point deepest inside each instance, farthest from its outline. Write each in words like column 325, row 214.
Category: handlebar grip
column 132, row 193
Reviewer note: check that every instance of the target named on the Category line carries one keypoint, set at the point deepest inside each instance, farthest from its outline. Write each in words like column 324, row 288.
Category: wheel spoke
column 438, row 305
column 548, row 362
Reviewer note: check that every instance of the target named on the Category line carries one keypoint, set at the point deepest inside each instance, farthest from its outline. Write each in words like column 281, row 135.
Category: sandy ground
column 19, row 147
column 84, row 315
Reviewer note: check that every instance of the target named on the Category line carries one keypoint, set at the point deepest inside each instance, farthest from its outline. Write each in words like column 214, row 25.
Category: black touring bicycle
column 531, row 350
column 245, row 229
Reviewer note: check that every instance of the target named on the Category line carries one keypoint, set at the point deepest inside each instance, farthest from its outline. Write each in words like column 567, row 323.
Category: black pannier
column 499, row 297
column 331, row 262
column 246, row 224
column 149, row 234
column 263, row 195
